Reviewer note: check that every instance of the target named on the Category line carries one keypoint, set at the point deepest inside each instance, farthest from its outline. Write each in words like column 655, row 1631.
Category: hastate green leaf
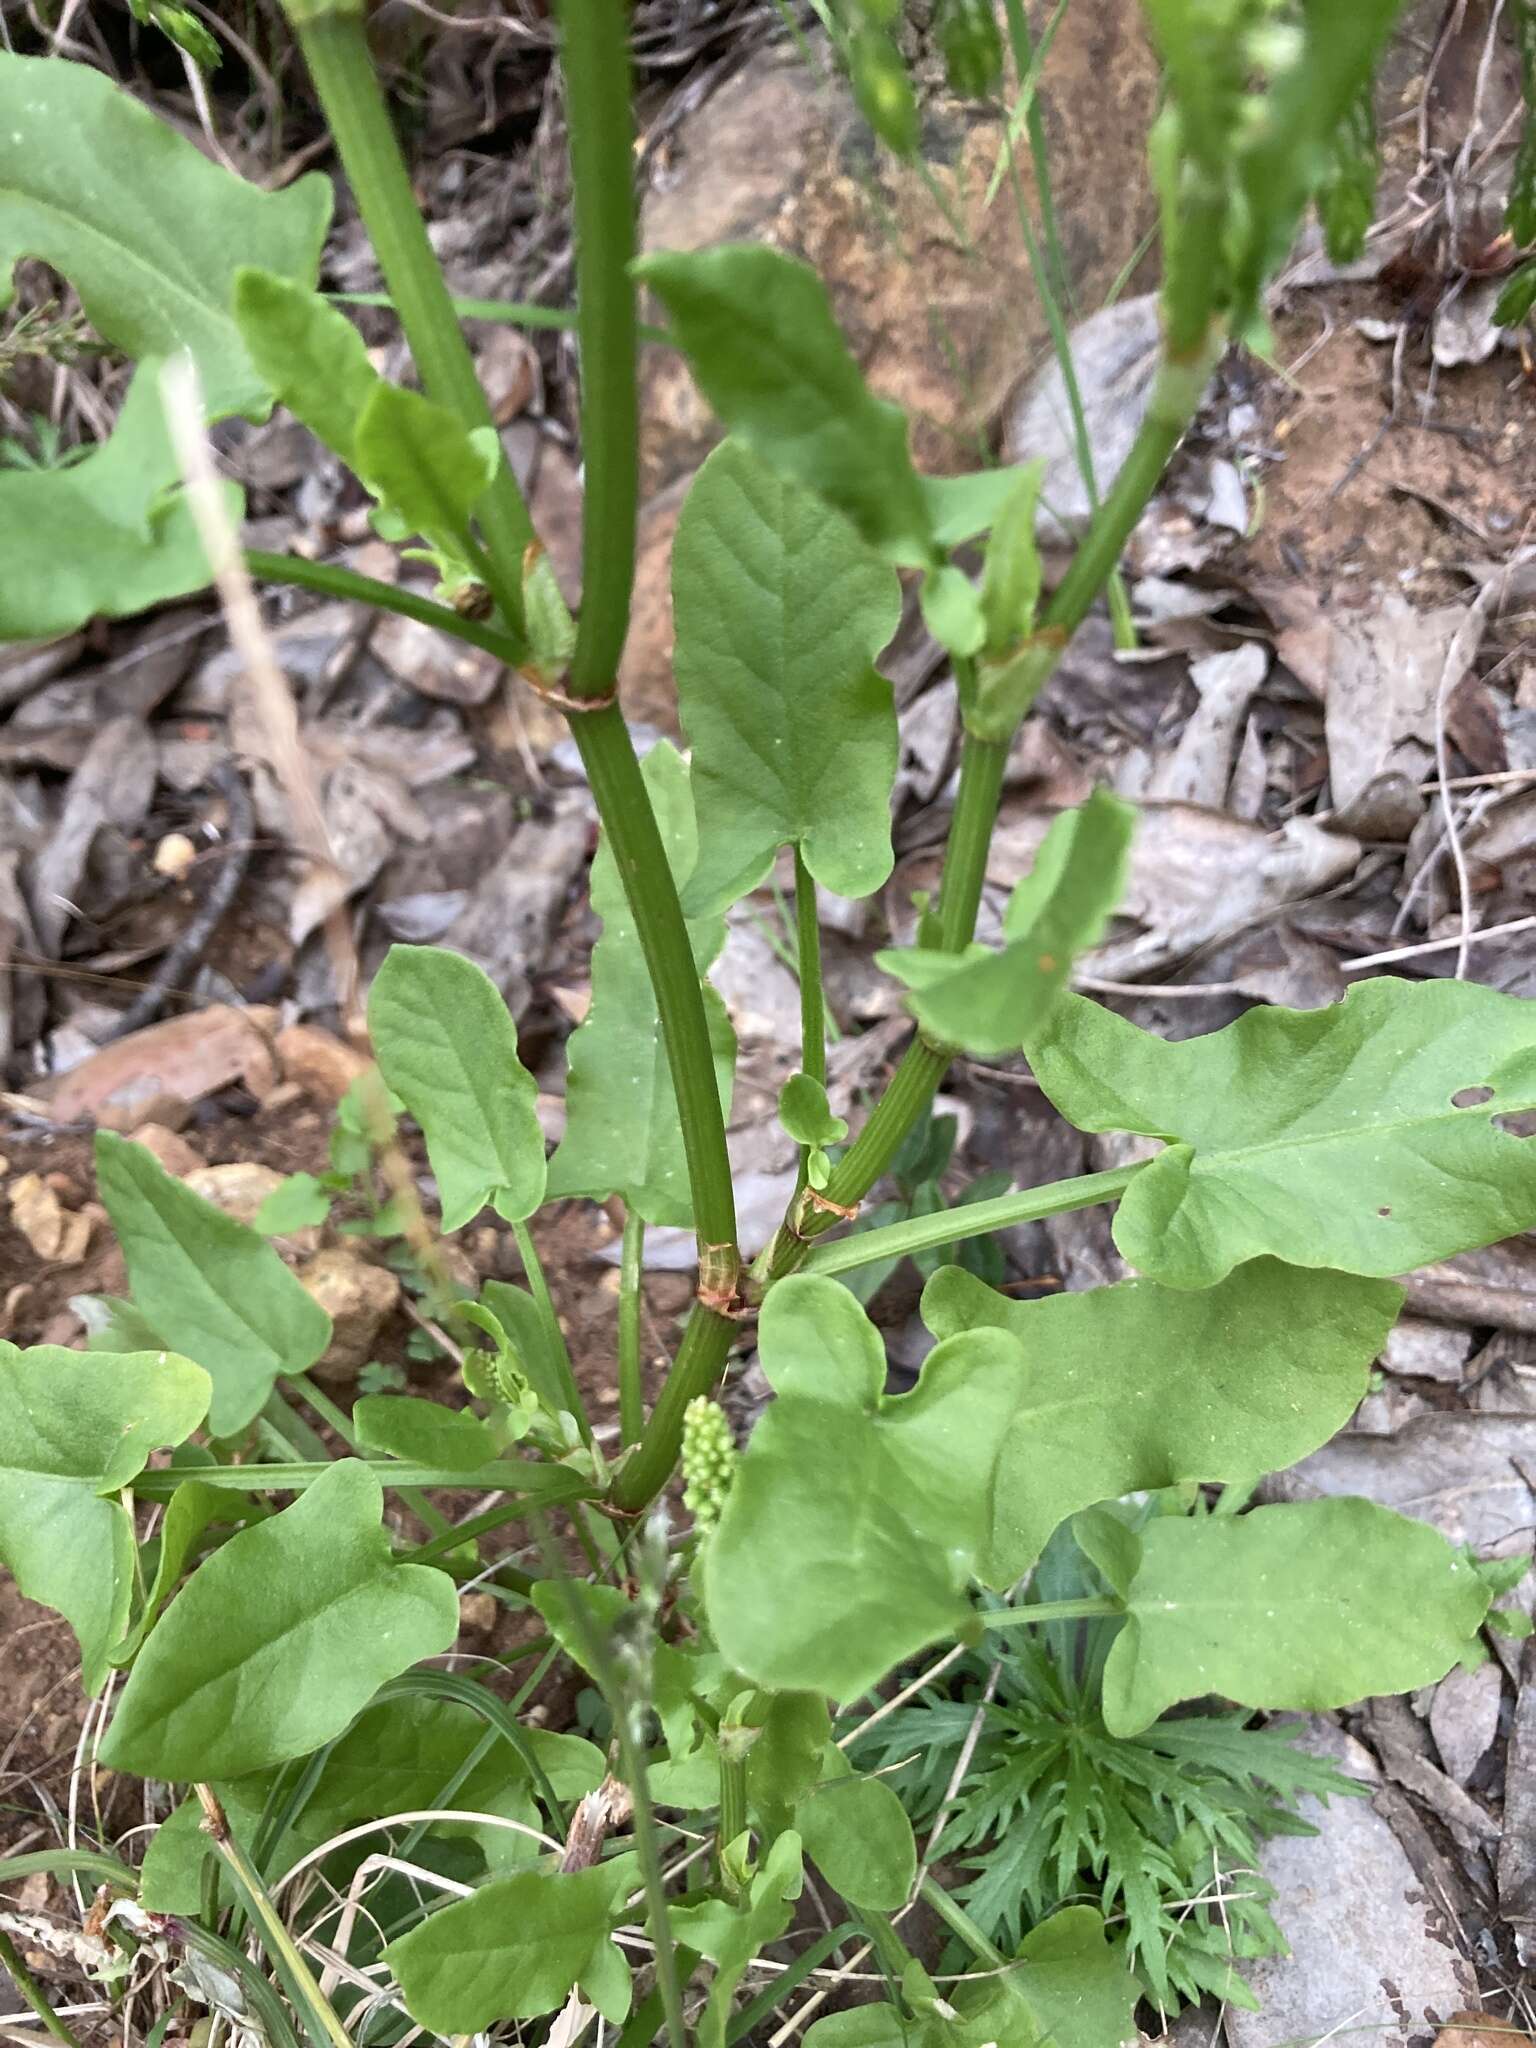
column 309, row 354
column 425, row 1432
column 108, row 536
column 780, row 611
column 855, row 1521
column 148, row 231
column 1071, row 1989
column 215, row 1288
column 1311, row 1605
column 990, row 1001
column 517, row 1948
column 76, row 1426
column 447, row 1046
column 1137, row 1386
column 622, row 1131
column 1368, row 1136
column 828, row 1565
column 279, row 1638
column 769, row 357
column 856, row 1832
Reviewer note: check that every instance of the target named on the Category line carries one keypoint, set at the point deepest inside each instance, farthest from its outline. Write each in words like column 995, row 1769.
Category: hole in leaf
column 1517, row 1123
column 1385, row 1210
column 1471, row 1098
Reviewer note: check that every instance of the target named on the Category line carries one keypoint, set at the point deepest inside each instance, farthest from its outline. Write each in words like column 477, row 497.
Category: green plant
column 275, row 1628
column 1160, row 1830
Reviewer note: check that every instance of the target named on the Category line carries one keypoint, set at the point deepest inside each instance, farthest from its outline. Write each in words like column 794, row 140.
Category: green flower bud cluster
column 709, row 1461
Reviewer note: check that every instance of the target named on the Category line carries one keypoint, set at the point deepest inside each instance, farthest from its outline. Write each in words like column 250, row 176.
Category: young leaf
column 218, row 1288
column 1138, row 1386
column 147, row 230
column 780, row 612
column 769, row 357
column 1307, row 1606
column 311, row 357
column 732, row 1936
column 188, row 1512
column 109, row 535
column 990, row 1002
column 952, row 611
column 427, row 466
column 622, row 1132
column 516, row 1948
column 1010, row 583
column 1368, row 1136
column 961, row 507
column 298, row 1203
column 76, row 1427
column 447, row 1046
column 279, row 1638
column 425, row 1432
column 854, row 1521
column 806, row 1114
column 857, row 1834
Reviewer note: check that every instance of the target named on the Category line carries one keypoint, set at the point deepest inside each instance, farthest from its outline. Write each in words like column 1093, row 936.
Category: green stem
column 624, row 806
column 33, row 1993
column 631, row 1383
column 341, row 1422
column 320, row 2021
column 1042, row 1611
column 971, row 1219
column 733, row 1808
column 534, row 1483
column 328, row 580
column 916, row 1079
column 960, row 1922
column 554, row 1336
column 335, row 46
column 813, row 1007
column 594, row 59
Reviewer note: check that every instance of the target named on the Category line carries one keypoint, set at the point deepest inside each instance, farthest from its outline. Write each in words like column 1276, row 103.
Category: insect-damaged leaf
column 212, row 1286
column 280, row 1638
column 1311, row 1605
column 780, row 611
column 622, row 1130
column 855, row 1522
column 447, row 1046
column 76, row 1427
column 992, row 1000
column 1368, row 1136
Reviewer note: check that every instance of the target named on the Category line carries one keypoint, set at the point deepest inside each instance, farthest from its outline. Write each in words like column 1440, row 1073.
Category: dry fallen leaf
column 182, row 1059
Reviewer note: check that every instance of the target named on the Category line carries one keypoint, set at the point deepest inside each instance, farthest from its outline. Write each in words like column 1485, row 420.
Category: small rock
column 1393, row 1975
column 169, row 1147
column 174, row 855
column 59, row 1235
column 239, row 1188
column 357, row 1297
column 477, row 1613
column 325, row 1067
column 1464, row 1717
